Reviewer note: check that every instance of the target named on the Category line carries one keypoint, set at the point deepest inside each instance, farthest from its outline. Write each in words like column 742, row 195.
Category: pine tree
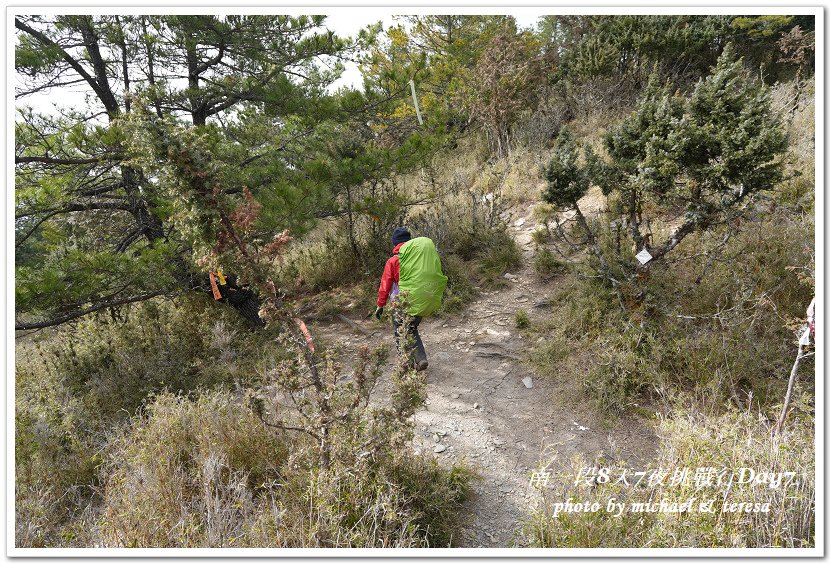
column 708, row 153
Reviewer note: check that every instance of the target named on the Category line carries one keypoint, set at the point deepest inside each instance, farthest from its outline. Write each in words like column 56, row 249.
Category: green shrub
column 630, row 361
column 316, row 267
column 546, row 356
column 547, row 265
column 522, row 320
column 498, row 253
column 584, row 309
column 460, row 290
column 113, row 364
column 541, row 235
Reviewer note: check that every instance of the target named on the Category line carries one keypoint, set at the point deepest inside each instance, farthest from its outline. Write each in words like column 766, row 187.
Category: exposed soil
column 480, row 410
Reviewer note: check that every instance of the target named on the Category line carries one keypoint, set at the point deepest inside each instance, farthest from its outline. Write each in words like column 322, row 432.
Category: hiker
column 414, row 270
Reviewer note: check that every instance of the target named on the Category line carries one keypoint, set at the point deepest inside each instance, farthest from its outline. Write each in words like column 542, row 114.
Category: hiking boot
column 421, row 365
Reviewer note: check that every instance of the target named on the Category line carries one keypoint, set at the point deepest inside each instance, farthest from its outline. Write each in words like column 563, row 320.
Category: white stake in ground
column 415, row 100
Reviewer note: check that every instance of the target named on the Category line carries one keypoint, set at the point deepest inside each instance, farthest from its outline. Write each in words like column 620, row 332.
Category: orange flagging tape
column 309, row 342
column 217, row 295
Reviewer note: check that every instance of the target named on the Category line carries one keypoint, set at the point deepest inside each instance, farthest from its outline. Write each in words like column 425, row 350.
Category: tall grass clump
column 185, row 472
column 73, row 386
column 207, row 472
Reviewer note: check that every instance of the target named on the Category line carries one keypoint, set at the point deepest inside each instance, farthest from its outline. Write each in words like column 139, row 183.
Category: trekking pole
column 790, row 386
column 803, row 342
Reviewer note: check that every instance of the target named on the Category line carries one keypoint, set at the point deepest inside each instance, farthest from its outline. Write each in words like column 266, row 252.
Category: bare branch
column 82, row 312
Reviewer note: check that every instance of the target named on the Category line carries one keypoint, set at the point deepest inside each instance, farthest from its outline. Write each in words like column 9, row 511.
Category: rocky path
column 485, row 406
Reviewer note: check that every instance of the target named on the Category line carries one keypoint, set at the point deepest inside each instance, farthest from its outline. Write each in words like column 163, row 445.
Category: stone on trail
column 509, row 276
column 455, row 395
column 493, row 332
column 528, row 381
column 439, row 448
column 519, row 222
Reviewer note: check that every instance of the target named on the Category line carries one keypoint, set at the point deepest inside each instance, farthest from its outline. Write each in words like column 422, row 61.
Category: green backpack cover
column 421, row 279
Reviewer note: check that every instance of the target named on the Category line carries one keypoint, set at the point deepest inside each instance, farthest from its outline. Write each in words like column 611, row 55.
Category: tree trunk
column 247, row 303
column 244, row 300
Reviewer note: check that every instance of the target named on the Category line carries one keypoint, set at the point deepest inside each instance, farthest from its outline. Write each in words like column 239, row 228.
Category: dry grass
column 692, row 440
column 208, row 473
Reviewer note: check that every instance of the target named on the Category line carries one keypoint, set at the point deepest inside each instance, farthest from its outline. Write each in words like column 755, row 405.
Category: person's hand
column 378, row 313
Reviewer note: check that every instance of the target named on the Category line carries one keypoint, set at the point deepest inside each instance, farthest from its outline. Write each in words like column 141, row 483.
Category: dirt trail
column 479, row 408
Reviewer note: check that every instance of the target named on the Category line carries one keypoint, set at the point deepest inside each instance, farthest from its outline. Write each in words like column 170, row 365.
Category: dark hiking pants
column 412, row 339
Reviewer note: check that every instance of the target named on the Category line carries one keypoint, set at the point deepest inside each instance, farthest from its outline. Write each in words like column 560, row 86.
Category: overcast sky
column 344, row 22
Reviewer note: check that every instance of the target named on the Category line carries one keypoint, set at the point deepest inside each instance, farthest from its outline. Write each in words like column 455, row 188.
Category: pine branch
column 82, row 312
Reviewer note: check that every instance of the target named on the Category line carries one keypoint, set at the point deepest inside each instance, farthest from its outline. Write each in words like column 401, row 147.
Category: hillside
column 624, row 210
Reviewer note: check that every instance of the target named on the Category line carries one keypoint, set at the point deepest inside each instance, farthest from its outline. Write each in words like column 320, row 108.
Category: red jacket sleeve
column 391, row 275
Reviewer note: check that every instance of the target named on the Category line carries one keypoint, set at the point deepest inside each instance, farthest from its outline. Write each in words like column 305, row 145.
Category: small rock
column 475, row 405
column 445, row 325
column 519, row 222
column 493, row 332
column 455, row 395
column 435, row 438
column 441, row 432
column 528, row 381
column 520, row 300
column 439, row 448
column 509, row 276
